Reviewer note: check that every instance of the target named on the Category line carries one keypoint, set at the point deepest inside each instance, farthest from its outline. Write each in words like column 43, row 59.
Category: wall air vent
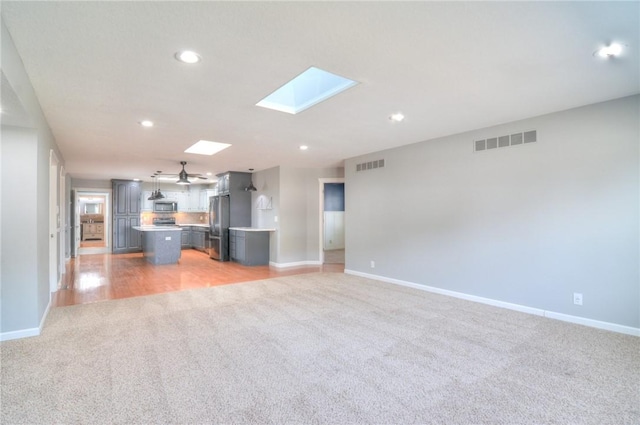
column 370, row 165
column 505, row 141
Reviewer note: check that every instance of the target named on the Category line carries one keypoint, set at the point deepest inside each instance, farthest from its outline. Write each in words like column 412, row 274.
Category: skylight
column 312, row 86
column 205, row 147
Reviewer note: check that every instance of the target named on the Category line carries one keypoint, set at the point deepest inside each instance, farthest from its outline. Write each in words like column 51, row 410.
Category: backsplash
column 181, row 217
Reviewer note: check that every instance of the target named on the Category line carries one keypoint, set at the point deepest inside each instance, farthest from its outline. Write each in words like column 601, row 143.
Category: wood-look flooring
column 99, row 277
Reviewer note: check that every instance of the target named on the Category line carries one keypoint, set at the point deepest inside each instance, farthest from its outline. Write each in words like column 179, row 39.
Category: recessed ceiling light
column 312, row 86
column 188, row 56
column 205, row 147
column 397, row 117
column 614, row 49
column 136, row 180
column 146, row 123
column 208, row 174
column 304, row 147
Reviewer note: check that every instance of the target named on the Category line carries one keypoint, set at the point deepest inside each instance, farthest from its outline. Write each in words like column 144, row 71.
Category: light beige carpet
column 315, row 349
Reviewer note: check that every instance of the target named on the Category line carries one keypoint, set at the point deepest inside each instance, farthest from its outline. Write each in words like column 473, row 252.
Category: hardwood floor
column 99, row 277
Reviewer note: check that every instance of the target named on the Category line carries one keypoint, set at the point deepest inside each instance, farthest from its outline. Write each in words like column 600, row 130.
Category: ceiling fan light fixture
column 183, row 177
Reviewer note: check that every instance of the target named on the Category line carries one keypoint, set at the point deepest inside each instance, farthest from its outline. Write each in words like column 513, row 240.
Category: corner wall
column 528, row 224
column 28, row 284
column 294, row 197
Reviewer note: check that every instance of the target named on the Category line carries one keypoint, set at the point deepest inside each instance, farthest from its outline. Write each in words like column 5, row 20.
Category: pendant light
column 156, row 194
column 251, row 187
column 153, row 192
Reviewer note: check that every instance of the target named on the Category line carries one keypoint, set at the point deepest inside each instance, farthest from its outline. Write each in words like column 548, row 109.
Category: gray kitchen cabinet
column 126, row 194
column 125, row 238
column 223, row 184
column 250, row 248
column 126, row 214
column 198, row 236
column 234, row 184
column 185, row 242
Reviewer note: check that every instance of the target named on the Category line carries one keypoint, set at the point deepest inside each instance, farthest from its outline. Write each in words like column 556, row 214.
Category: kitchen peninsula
column 160, row 244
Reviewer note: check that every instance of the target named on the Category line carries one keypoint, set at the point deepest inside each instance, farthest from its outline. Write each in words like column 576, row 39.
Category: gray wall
column 265, row 206
column 28, row 283
column 528, row 224
column 90, row 184
column 295, row 197
column 19, row 274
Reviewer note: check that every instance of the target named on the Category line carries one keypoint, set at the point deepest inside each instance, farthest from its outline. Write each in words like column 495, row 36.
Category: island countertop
column 251, row 229
column 157, row 228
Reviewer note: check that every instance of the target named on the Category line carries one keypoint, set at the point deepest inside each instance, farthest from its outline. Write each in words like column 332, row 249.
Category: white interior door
column 54, row 222
column 75, row 243
column 64, row 225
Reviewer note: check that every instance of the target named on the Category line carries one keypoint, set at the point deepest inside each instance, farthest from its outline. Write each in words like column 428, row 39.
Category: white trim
column 607, row 326
column 26, row 333
column 81, row 191
column 628, row 330
column 295, row 264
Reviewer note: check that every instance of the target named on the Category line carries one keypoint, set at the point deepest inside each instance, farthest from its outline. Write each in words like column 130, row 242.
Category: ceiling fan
column 183, row 176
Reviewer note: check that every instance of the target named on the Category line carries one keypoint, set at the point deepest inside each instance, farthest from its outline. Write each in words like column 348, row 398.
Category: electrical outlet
column 373, row 264
column 577, row 298
column 275, row 219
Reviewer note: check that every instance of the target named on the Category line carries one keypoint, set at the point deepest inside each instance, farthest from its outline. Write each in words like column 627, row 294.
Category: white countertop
column 251, row 229
column 157, row 228
column 193, row 225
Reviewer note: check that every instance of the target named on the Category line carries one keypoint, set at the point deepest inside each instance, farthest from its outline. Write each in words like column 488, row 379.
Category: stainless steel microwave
column 165, row 206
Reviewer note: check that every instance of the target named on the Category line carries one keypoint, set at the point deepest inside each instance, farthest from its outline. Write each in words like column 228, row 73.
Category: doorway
column 92, row 218
column 332, row 223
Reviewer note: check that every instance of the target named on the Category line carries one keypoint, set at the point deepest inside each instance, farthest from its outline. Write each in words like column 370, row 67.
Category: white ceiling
column 98, row 68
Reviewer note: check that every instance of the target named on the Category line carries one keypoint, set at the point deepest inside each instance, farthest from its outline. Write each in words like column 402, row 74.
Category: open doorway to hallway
column 332, row 210
column 92, row 228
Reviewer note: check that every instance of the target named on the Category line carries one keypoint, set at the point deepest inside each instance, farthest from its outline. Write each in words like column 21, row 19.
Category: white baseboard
column 23, row 333
column 295, row 264
column 628, row 330
column 26, row 333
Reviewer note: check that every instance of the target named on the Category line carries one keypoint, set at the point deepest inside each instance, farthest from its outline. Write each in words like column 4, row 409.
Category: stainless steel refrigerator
column 219, row 227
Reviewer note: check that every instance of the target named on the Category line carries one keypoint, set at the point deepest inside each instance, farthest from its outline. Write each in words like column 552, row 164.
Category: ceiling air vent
column 505, row 141
column 370, row 165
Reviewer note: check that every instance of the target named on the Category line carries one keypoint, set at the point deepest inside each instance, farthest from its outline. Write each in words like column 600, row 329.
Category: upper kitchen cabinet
column 233, row 182
column 223, row 184
column 126, row 214
column 234, row 185
column 126, row 197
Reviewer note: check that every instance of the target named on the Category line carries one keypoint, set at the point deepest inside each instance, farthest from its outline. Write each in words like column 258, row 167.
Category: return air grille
column 505, row 141
column 370, row 165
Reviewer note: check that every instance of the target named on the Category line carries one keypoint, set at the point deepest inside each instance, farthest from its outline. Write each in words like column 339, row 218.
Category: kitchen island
column 160, row 244
column 249, row 246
